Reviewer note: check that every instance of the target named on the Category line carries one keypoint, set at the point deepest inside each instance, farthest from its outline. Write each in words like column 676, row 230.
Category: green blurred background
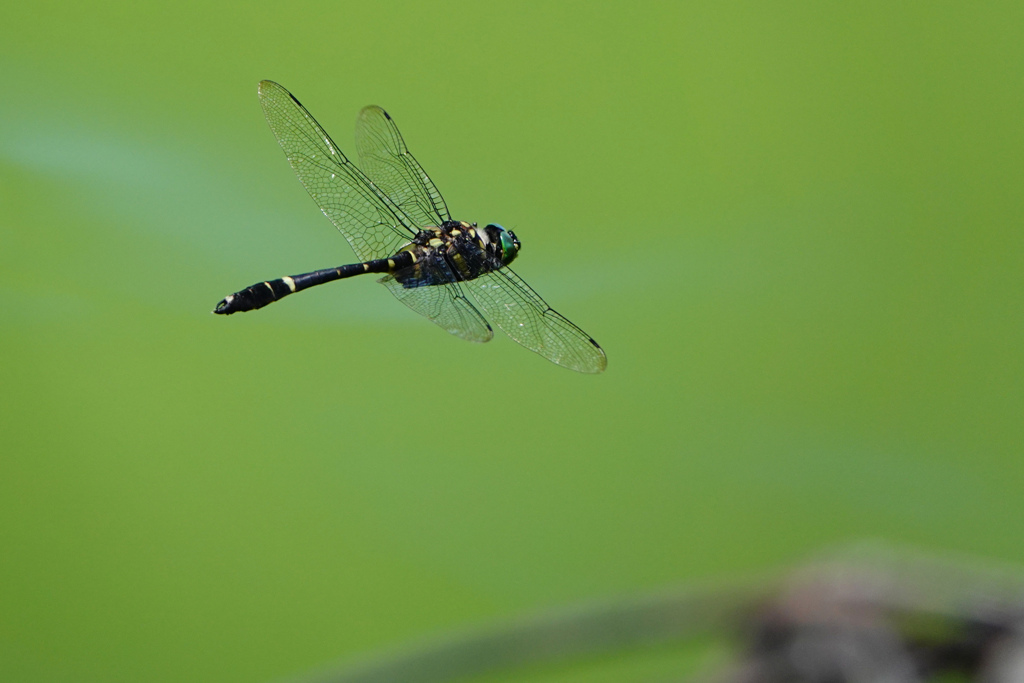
column 794, row 227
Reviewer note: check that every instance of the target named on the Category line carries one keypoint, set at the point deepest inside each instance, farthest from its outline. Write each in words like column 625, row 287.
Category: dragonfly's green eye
column 505, row 240
column 509, row 247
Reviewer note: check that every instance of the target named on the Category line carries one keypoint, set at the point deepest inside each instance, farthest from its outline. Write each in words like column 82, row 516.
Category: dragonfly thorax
column 491, row 248
column 456, row 251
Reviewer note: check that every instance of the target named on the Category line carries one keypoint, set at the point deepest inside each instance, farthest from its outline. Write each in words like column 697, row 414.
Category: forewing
column 369, row 220
column 521, row 314
column 434, row 294
column 384, row 157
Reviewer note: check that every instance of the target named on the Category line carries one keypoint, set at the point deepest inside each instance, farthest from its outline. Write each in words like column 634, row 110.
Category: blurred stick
column 561, row 635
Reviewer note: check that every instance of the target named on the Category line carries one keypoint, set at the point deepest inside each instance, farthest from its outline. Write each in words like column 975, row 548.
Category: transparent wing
column 429, row 288
column 369, row 220
column 384, row 157
column 521, row 314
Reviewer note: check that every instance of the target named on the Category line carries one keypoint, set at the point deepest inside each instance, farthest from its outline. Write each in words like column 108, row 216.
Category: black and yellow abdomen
column 263, row 293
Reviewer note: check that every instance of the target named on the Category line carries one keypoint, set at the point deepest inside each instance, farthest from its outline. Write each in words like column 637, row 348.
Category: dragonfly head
column 504, row 243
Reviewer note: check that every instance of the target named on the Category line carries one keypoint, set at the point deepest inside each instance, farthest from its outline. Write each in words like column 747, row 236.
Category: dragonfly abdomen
column 264, row 293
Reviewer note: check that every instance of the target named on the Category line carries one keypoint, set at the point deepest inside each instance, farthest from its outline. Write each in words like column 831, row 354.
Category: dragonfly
column 398, row 225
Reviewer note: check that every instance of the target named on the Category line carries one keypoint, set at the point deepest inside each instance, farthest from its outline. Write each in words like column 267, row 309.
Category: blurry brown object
column 883, row 616
column 869, row 614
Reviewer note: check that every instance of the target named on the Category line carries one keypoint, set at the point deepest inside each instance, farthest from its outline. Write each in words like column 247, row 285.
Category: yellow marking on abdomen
column 290, row 282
